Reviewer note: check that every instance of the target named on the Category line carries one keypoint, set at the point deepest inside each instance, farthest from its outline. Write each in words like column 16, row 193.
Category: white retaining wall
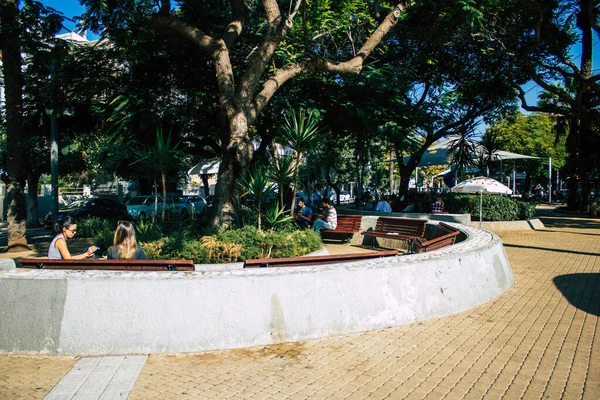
column 99, row 312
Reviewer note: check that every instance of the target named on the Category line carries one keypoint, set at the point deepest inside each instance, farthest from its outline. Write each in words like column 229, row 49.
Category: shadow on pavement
column 581, row 290
column 549, row 249
column 570, row 222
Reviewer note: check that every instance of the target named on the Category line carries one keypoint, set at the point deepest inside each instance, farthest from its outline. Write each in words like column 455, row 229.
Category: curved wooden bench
column 346, row 226
column 445, row 235
column 407, row 229
column 111, row 265
column 316, row 260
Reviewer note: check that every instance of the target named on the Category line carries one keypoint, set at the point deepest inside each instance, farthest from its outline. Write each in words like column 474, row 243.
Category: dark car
column 101, row 208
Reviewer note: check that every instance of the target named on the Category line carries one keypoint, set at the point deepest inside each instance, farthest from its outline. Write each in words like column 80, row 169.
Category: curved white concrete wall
column 97, row 312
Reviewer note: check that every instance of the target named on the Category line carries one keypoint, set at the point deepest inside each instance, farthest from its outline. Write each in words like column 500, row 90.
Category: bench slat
column 113, row 265
column 316, row 260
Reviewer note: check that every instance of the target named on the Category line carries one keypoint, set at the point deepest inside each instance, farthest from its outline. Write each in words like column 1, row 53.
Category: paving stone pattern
column 539, row 340
column 536, row 341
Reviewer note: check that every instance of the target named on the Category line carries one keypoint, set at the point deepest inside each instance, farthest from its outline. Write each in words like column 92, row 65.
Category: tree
column 247, row 83
column 540, row 37
column 10, row 46
column 535, row 135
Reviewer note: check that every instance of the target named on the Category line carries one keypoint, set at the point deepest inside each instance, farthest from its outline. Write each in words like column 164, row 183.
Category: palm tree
column 462, row 151
column 489, row 144
column 282, row 172
column 300, row 133
column 156, row 161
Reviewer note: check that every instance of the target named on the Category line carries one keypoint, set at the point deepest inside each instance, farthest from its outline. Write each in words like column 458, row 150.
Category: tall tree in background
column 13, row 85
column 553, row 42
column 247, row 82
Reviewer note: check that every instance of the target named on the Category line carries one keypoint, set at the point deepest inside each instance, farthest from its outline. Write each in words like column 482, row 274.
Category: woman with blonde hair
column 125, row 246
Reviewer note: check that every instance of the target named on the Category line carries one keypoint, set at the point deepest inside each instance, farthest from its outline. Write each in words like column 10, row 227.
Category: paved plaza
column 539, row 340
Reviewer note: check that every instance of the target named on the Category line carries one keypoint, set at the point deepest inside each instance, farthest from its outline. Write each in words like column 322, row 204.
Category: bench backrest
column 112, row 265
column 444, row 229
column 316, row 260
column 445, row 235
column 405, row 226
column 348, row 223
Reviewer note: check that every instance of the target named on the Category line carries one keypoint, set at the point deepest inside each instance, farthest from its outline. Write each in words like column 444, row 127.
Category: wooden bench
column 346, row 226
column 407, row 229
column 445, row 235
column 316, row 260
column 112, row 265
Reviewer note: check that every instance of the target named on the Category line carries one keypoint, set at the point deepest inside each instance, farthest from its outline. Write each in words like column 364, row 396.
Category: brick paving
column 538, row 340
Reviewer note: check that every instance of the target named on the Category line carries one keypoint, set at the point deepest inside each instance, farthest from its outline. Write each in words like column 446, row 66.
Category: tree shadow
column 549, row 249
column 566, row 222
column 582, row 290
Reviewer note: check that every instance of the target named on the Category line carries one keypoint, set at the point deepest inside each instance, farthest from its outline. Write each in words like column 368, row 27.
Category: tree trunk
column 15, row 168
column 235, row 163
column 164, row 193
column 32, row 200
column 205, row 184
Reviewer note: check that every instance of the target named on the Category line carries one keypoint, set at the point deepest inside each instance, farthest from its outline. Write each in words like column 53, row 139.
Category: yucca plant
column 282, row 172
column 275, row 215
column 258, row 185
column 300, row 133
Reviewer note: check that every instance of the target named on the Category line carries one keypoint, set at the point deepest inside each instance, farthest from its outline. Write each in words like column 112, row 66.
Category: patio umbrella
column 481, row 185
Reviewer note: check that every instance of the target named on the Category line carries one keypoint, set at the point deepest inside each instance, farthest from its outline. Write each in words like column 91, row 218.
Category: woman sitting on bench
column 125, row 246
column 66, row 229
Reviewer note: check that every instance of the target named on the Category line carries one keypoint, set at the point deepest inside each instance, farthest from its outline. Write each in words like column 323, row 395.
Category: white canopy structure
column 209, row 167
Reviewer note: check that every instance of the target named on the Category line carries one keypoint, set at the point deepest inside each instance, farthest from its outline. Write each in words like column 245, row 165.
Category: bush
column 495, row 207
column 203, row 244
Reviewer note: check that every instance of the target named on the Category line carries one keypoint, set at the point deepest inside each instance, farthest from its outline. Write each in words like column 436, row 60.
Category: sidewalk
column 539, row 340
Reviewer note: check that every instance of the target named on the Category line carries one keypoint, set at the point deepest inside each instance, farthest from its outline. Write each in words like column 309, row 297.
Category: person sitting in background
column 437, row 207
column 330, row 220
column 65, row 230
column 125, row 246
column 383, row 205
column 304, row 214
column 411, row 207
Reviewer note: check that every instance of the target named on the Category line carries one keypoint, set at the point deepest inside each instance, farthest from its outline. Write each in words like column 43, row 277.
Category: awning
column 210, row 167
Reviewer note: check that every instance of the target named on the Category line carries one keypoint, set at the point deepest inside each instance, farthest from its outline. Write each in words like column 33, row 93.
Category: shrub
column 495, row 207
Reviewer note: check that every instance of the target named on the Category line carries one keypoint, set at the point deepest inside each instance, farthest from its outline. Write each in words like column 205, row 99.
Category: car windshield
column 136, row 201
column 75, row 204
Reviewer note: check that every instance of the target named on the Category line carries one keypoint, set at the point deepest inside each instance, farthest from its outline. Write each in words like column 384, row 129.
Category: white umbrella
column 481, row 185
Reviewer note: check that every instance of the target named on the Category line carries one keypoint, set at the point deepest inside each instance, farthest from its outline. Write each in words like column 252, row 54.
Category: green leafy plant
column 257, row 185
column 300, row 133
column 275, row 215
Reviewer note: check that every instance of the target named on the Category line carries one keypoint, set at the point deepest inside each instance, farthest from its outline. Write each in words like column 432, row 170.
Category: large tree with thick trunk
column 243, row 96
column 10, row 44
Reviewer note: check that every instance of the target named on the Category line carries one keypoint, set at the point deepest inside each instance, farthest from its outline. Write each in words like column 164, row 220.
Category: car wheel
column 185, row 214
column 142, row 216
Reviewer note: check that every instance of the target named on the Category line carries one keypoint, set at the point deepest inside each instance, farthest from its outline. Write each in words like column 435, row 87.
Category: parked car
column 186, row 206
column 142, row 207
column 94, row 207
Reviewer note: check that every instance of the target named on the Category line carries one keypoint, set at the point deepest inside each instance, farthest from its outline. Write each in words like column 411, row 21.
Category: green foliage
column 495, row 207
column 257, row 185
column 275, row 215
column 89, row 227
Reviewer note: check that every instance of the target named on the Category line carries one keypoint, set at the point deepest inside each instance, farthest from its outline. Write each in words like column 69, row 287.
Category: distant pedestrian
column 437, row 207
column 330, row 221
column 383, row 205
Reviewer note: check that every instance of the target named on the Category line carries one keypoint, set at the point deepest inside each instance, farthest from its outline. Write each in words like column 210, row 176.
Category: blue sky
column 69, row 8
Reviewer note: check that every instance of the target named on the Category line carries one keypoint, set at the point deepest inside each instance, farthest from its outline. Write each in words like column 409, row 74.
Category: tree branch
column 235, row 27
column 199, row 38
column 544, row 109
